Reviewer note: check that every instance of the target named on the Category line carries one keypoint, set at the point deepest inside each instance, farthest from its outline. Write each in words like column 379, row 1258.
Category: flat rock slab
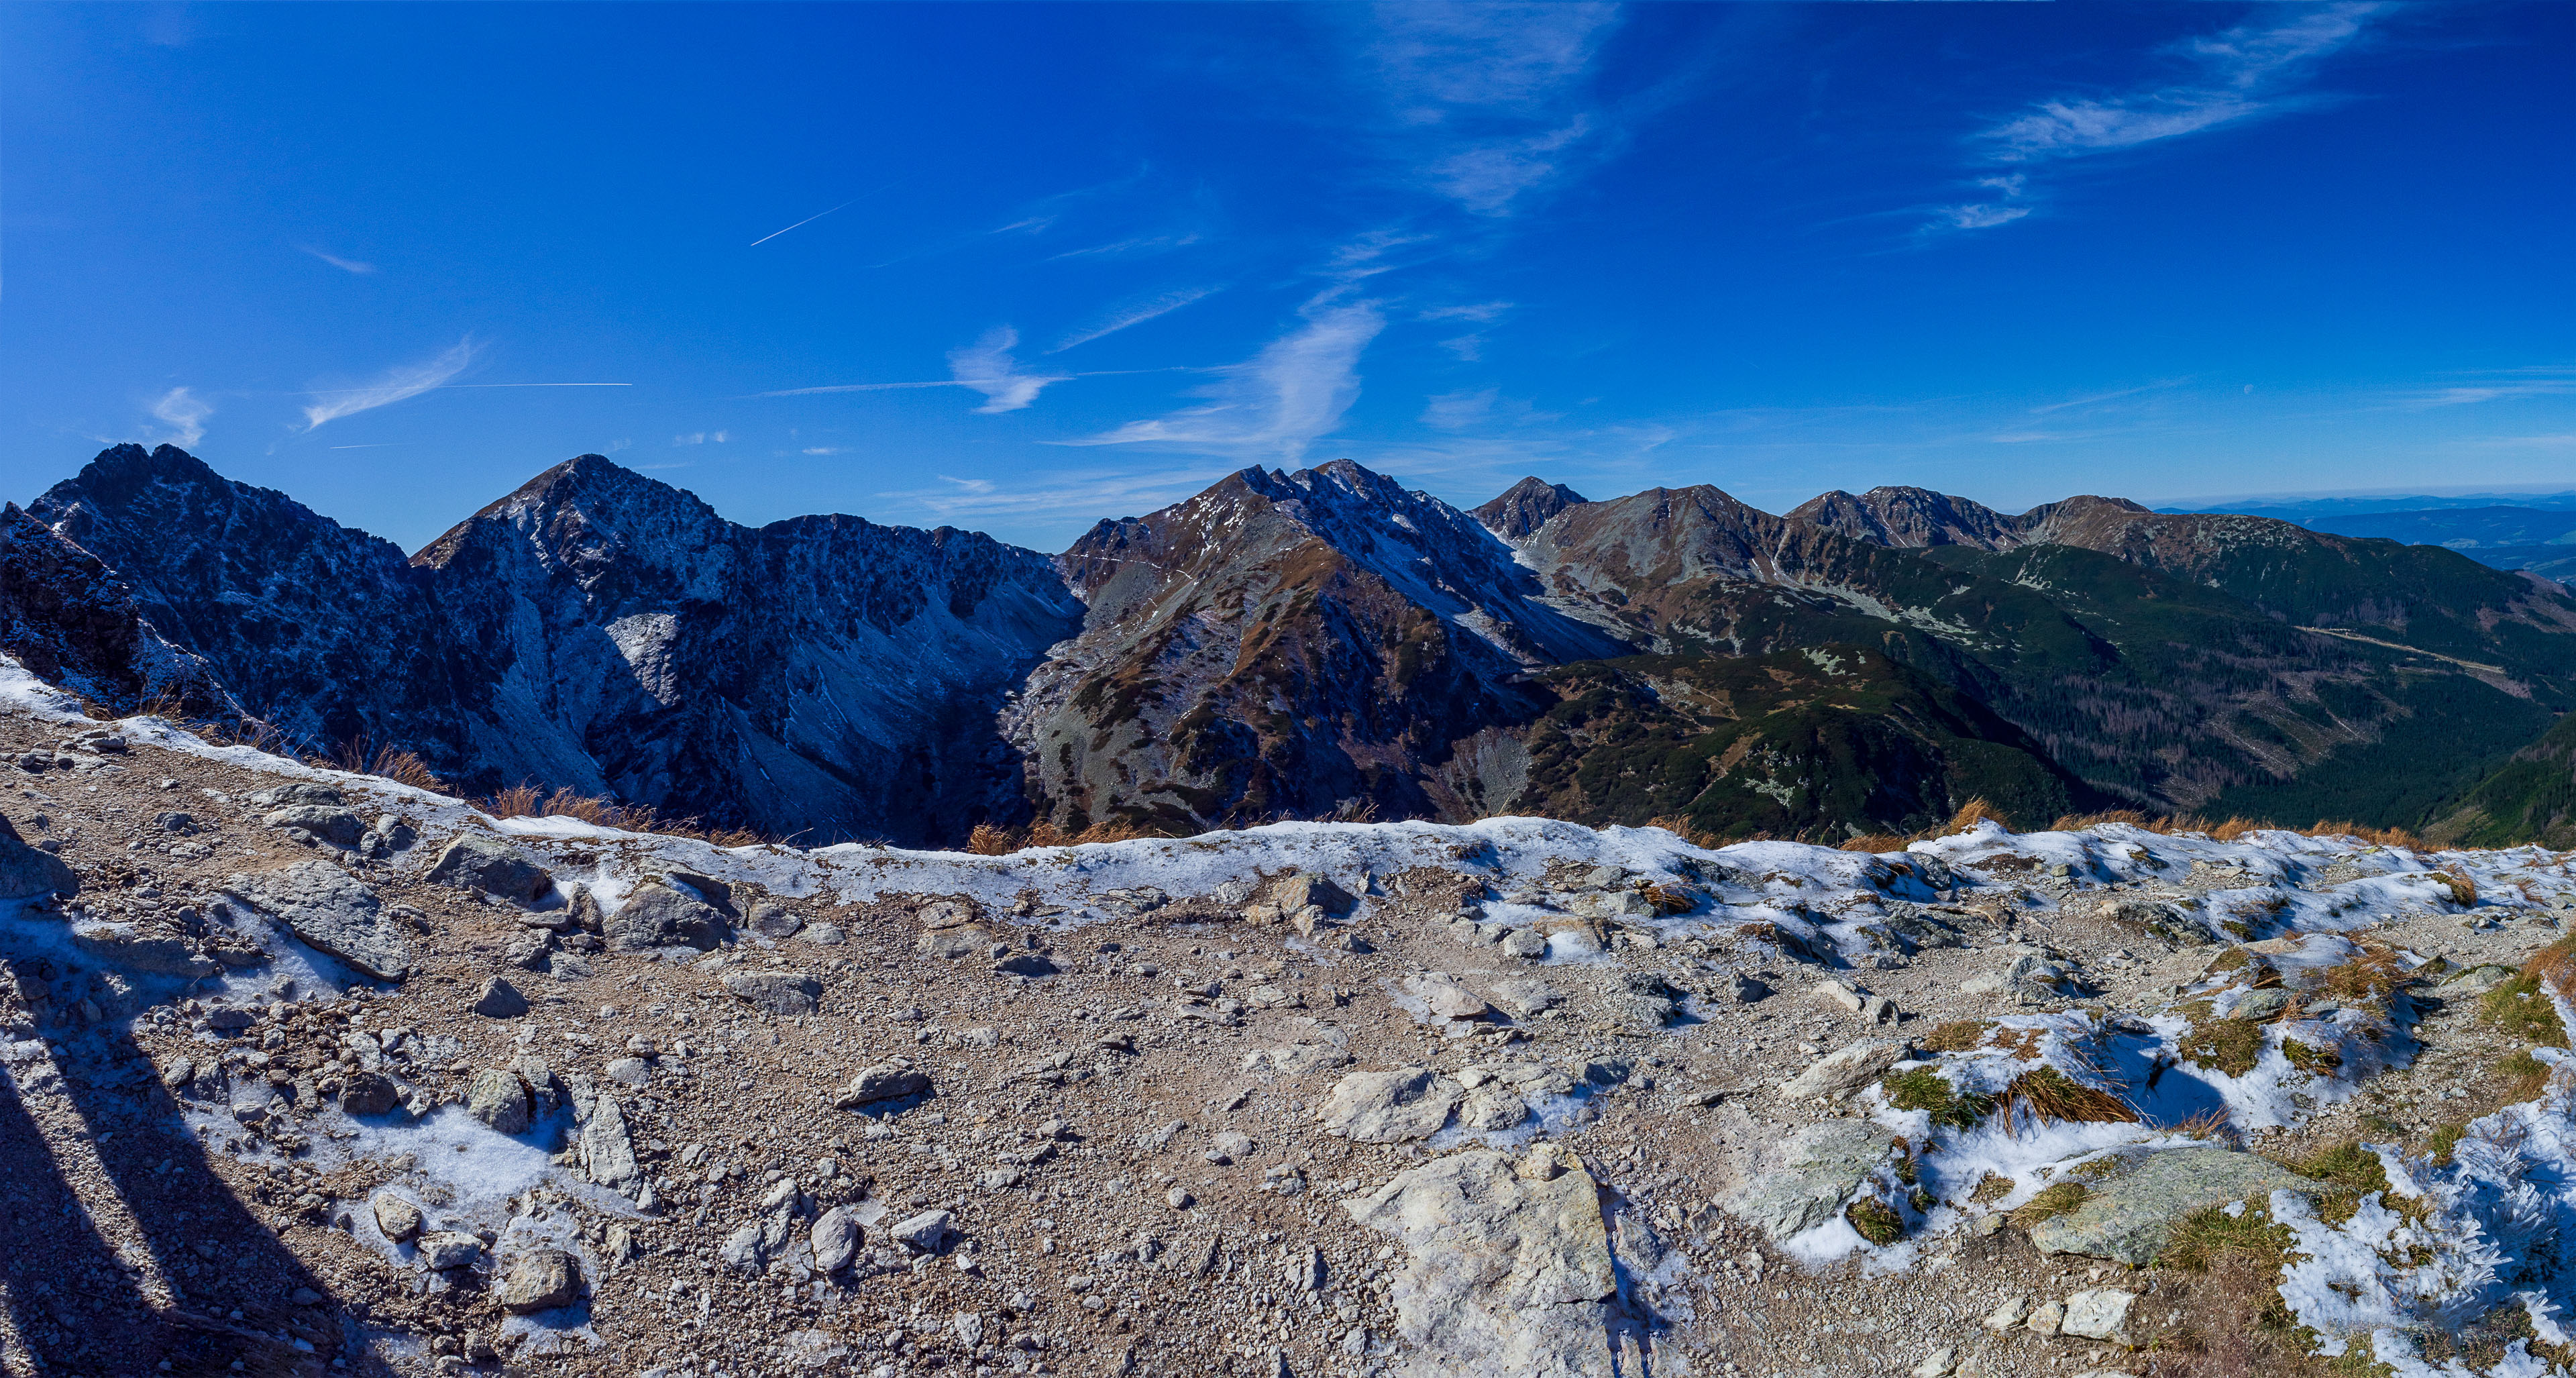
column 482, row 863
column 2131, row 1215
column 1391, row 1107
column 331, row 911
column 1508, row 1265
column 658, row 916
column 1844, row 1071
column 1820, row 1168
column 775, row 992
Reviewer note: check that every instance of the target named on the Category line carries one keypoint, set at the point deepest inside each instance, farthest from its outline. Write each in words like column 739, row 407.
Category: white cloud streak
column 346, row 265
column 1276, row 404
column 397, row 385
column 1136, row 313
column 987, row 367
column 1490, row 98
column 2239, row 74
column 2242, row 72
column 185, row 414
column 773, row 234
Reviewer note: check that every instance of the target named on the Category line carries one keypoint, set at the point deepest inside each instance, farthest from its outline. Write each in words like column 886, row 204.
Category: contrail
column 773, row 234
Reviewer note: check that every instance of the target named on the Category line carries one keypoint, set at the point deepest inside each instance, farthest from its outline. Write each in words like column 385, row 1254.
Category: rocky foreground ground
column 310, row 1071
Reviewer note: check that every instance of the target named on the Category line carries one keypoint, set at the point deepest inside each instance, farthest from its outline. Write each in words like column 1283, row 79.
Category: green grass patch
column 2321, row 1061
column 1876, row 1220
column 1924, row 1088
column 2058, row 1200
column 2232, row 1046
column 2520, row 1009
column 2208, row 1235
column 2525, row 1075
column 2445, row 1138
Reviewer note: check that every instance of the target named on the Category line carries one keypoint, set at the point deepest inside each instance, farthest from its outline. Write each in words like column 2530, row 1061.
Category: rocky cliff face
column 1525, row 507
column 600, row 631
column 1910, row 517
column 1287, row 644
column 65, row 616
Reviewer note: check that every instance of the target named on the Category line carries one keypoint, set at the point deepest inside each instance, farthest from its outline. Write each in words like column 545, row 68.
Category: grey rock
column 1508, row 1266
column 299, row 792
column 529, row 951
column 630, row 1071
column 29, row 872
column 498, row 999
column 1743, row 989
column 924, row 1233
column 1845, row 1070
column 165, row 954
column 1821, row 1166
column 368, row 1093
column 444, row 1249
column 398, row 1218
column 746, row 1250
column 1029, row 964
column 337, row 826
column 1296, row 1060
column 476, row 862
column 2477, row 980
column 324, row 906
column 949, row 944
column 2261, row 1006
column 656, row 915
column 823, row 935
column 1523, row 997
column 889, row 1081
column 539, row 1280
column 1301, row 889
column 1391, row 1107
column 1441, row 993
column 939, row 914
column 1525, row 942
column 1488, row 1109
column 775, row 921
column 500, row 1100
column 2131, row 1214
column 775, row 992
column 601, row 1143
column 2100, row 1313
column 834, row 1239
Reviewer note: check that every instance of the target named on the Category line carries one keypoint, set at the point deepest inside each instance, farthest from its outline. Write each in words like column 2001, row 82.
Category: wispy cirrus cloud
column 2092, row 399
column 2247, row 72
column 1490, row 101
column 2509, row 385
column 1135, row 313
column 1280, row 401
column 346, row 265
column 185, row 414
column 988, row 367
column 397, row 385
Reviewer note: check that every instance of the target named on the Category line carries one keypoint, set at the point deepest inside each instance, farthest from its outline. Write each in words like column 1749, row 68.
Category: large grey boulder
column 1821, row 1166
column 656, row 915
column 337, row 826
column 500, row 1100
column 1508, row 1265
column 476, row 862
column 775, row 992
column 330, row 910
column 2140, row 1197
column 31, row 872
column 600, row 1142
column 1845, row 1070
column 1391, row 1107
column 834, row 1239
column 539, row 1280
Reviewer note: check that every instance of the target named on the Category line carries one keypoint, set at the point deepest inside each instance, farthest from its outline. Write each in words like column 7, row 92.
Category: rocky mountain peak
column 1910, row 518
column 1525, row 507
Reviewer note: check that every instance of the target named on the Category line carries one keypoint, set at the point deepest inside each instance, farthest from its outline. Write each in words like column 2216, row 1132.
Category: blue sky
column 1018, row 267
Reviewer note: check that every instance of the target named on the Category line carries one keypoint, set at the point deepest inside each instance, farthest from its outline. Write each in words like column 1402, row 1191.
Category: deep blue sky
column 2013, row 251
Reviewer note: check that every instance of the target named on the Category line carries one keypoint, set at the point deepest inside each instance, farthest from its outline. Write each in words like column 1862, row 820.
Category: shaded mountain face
column 1290, row 645
column 602, row 632
column 1326, row 643
column 1525, row 507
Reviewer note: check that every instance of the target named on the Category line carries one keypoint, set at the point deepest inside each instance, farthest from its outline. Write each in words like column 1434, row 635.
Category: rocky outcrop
column 1508, row 1266
column 2132, row 1206
column 1910, row 517
column 331, row 911
column 1525, row 507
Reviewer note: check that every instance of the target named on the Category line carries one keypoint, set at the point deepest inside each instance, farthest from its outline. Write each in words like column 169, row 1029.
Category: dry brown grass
column 1876, row 842
column 2049, row 1094
column 2383, row 837
column 992, row 839
column 2234, row 828
column 2077, row 822
column 2368, row 978
column 2463, row 888
column 528, row 801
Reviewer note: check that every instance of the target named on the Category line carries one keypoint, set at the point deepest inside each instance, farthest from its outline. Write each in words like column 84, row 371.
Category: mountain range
column 1327, row 643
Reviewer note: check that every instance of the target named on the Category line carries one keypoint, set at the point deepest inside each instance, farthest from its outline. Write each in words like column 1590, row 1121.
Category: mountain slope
column 1287, row 644
column 602, row 632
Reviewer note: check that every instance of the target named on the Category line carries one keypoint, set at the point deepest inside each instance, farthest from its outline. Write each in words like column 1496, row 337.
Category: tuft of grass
column 2233, row 829
column 1876, row 1220
column 2061, row 1199
column 2209, row 1235
column 2346, row 1166
column 2319, row 1061
column 2518, row 1007
column 2368, row 978
column 2050, row 1094
column 988, row 840
column 1957, row 1035
column 2231, row 1046
column 2445, row 1138
column 1875, row 843
column 1972, row 813
column 1924, row 1088
column 2525, row 1076
column 1992, row 1187
column 2464, row 890
column 527, row 801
